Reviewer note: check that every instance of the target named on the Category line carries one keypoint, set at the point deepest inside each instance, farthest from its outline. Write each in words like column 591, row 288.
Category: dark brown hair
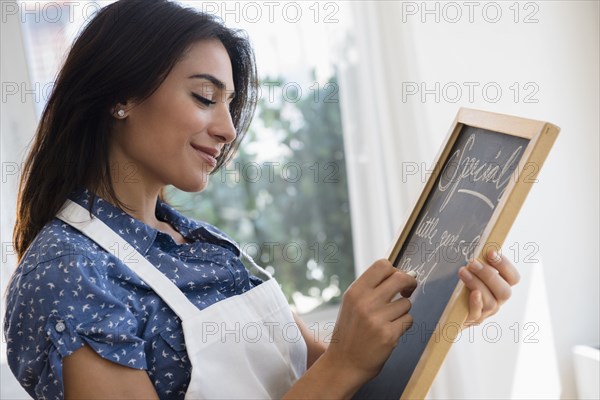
column 125, row 52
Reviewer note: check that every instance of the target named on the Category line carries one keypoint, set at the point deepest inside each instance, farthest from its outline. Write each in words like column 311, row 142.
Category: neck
column 136, row 192
column 140, row 201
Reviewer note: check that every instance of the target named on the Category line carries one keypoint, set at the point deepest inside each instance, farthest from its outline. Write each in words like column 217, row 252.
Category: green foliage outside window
column 289, row 210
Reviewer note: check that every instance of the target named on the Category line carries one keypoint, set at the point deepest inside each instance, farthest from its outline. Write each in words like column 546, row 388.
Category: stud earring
column 121, row 113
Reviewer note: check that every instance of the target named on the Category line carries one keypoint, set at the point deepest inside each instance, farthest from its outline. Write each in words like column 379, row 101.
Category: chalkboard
column 482, row 175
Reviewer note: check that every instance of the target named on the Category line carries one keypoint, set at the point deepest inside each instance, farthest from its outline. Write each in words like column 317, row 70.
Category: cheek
column 188, row 120
column 168, row 125
column 179, row 112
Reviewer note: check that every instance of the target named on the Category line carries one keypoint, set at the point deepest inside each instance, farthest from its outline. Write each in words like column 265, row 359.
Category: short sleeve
column 54, row 309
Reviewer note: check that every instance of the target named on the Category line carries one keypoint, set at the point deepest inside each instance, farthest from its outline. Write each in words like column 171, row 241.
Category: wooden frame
column 541, row 136
column 480, row 179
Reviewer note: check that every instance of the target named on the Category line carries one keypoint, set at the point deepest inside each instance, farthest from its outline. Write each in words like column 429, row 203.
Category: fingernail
column 475, row 266
column 465, row 273
column 412, row 273
column 495, row 256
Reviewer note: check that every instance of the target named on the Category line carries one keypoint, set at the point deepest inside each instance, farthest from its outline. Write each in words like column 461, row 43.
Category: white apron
column 244, row 347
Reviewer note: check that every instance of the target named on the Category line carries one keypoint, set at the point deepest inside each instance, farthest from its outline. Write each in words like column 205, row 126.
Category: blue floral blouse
column 67, row 292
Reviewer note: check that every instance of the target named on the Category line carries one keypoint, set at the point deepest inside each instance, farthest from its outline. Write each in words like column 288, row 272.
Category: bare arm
column 315, row 346
column 86, row 375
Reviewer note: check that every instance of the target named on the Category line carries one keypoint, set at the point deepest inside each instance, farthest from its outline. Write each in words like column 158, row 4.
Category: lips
column 209, row 154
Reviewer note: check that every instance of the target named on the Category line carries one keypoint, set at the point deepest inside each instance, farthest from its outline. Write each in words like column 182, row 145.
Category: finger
column 376, row 273
column 398, row 282
column 472, row 282
column 499, row 288
column 475, row 308
column 408, row 291
column 402, row 324
column 503, row 265
column 396, row 309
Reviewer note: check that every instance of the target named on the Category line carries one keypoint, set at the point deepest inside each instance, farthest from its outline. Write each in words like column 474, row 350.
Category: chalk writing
column 460, row 166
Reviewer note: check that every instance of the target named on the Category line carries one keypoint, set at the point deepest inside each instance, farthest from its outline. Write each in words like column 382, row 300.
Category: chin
column 196, row 185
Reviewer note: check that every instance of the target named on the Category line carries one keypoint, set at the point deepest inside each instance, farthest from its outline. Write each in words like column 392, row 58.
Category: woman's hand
column 490, row 284
column 368, row 327
column 369, row 323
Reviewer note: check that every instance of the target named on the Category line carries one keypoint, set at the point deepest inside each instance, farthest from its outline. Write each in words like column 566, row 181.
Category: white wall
column 559, row 56
column 17, row 124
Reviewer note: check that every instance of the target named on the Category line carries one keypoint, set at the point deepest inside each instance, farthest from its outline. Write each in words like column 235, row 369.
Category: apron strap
column 79, row 218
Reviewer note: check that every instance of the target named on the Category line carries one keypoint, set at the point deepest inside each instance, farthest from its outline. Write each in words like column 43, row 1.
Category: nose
column 222, row 127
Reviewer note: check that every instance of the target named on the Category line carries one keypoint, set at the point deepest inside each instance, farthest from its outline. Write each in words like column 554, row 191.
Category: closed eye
column 203, row 100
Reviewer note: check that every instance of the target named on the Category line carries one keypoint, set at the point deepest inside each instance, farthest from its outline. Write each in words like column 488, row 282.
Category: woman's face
column 174, row 136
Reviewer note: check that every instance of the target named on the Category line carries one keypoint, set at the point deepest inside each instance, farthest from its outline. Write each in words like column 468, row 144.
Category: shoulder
column 58, row 240
column 60, row 264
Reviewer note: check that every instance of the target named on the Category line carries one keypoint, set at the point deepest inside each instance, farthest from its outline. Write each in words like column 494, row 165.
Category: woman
column 117, row 306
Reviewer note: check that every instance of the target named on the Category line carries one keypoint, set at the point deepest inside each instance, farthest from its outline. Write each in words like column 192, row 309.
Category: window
column 284, row 197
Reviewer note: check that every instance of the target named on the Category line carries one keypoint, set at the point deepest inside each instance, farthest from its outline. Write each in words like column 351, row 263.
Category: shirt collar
column 134, row 231
column 140, row 235
column 195, row 230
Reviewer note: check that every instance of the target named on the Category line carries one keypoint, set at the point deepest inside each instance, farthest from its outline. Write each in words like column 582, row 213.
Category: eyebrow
column 218, row 83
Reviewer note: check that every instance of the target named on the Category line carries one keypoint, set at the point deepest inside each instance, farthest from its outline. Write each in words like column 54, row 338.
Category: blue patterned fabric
column 67, row 292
